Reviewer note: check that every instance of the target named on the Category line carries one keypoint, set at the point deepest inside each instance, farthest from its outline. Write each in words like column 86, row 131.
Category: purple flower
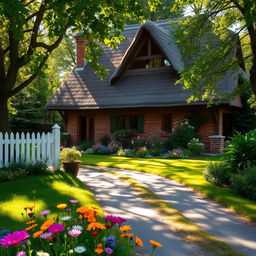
column 68, row 209
column 111, row 241
column 56, row 228
column 30, row 214
column 74, row 232
column 46, row 235
column 21, row 253
column 108, row 250
column 73, row 201
column 14, row 238
column 45, row 212
column 114, row 219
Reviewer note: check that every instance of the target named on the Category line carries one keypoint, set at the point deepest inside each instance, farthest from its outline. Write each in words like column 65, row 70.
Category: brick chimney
column 80, row 51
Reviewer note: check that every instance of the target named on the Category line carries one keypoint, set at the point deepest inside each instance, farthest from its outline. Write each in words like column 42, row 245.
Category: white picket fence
column 29, row 148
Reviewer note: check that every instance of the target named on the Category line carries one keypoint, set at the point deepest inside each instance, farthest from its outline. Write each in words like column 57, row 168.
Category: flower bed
column 73, row 231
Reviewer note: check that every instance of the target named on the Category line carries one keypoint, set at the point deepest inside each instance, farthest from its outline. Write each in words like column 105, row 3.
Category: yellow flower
column 99, row 251
column 38, row 233
column 99, row 245
column 156, row 244
column 95, row 225
column 31, row 227
column 138, row 241
column 30, row 207
column 46, row 224
column 125, row 228
column 62, row 206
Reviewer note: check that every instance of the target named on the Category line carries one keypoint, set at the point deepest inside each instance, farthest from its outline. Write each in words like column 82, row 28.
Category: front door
column 227, row 125
column 86, row 129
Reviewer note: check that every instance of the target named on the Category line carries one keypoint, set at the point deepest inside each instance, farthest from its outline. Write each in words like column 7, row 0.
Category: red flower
column 95, row 233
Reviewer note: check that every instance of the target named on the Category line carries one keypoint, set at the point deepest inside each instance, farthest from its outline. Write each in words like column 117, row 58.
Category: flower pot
column 71, row 167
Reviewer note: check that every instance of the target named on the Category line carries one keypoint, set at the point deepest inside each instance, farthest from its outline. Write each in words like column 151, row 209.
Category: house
column 139, row 92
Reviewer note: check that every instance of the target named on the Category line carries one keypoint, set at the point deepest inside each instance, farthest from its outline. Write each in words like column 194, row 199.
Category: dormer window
column 148, row 55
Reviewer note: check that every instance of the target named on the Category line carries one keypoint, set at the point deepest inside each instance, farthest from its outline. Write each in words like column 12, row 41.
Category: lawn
column 186, row 171
column 44, row 191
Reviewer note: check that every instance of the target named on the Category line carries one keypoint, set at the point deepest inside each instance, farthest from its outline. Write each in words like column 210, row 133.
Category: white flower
column 41, row 253
column 71, row 251
column 77, row 227
column 79, row 249
column 65, row 218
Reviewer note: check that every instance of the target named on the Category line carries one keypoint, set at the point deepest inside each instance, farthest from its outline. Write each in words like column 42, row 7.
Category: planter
column 71, row 167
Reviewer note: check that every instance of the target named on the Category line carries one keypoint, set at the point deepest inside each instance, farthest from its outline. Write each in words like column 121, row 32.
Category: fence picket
column 38, row 147
column 43, row 147
column 17, row 148
column 6, row 149
column 1, row 150
column 11, row 148
column 22, row 142
column 27, row 148
column 33, row 141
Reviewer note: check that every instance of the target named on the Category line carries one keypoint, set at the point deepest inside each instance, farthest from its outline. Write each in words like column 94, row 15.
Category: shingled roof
column 153, row 87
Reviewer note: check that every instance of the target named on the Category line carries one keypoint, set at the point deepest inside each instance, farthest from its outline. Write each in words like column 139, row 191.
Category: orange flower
column 125, row 228
column 91, row 219
column 99, row 245
column 62, row 206
column 46, row 225
column 31, row 207
column 82, row 209
column 95, row 225
column 31, row 227
column 99, row 251
column 30, row 222
column 138, row 241
column 127, row 235
column 38, row 233
column 155, row 244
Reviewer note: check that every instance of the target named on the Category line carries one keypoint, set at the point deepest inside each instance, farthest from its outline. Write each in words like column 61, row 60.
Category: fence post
column 56, row 141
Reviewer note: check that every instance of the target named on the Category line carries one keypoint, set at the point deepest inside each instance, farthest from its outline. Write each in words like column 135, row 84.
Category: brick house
column 139, row 92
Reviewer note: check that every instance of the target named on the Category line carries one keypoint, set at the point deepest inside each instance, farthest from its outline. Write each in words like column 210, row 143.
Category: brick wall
column 152, row 121
column 80, row 52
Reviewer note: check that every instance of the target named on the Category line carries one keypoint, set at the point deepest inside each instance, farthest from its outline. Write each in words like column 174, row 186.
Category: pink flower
column 74, row 232
column 45, row 212
column 56, row 228
column 108, row 251
column 21, row 253
column 73, row 201
column 114, row 219
column 14, row 238
column 46, row 235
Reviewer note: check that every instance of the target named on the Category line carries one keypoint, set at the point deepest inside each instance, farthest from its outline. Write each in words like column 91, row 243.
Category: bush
column 241, row 151
column 85, row 145
column 218, row 173
column 181, row 136
column 174, row 154
column 8, row 174
column 70, row 154
column 100, row 149
column 121, row 152
column 105, row 140
column 37, row 168
column 139, row 143
column 113, row 146
column 195, row 147
column 124, row 137
column 142, row 152
column 245, row 183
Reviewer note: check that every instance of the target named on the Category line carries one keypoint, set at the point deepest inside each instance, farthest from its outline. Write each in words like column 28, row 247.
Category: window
column 127, row 122
column 167, row 123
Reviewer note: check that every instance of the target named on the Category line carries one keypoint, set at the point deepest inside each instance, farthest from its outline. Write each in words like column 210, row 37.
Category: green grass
column 186, row 171
column 44, row 191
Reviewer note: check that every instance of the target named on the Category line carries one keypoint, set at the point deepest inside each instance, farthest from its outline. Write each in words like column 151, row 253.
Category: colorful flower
column 41, row 253
column 99, row 250
column 127, row 235
column 73, row 201
column 138, row 241
column 80, row 249
column 31, row 227
column 82, row 209
column 46, row 224
column 125, row 228
column 37, row 234
column 30, row 222
column 62, row 206
column 46, row 235
column 65, row 218
column 68, row 210
column 45, row 212
column 114, row 219
column 111, row 241
column 74, row 232
column 56, row 228
column 108, row 250
column 30, row 214
column 155, row 244
column 21, row 253
column 77, row 227
column 95, row 233
column 14, row 238
column 95, row 225
column 31, row 207
column 3, row 232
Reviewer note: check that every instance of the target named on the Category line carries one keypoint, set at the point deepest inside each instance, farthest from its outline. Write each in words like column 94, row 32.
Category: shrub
column 245, row 182
column 218, row 173
column 241, row 151
column 100, row 149
column 139, row 143
column 121, row 152
column 70, row 154
column 37, row 168
column 142, row 152
column 124, row 137
column 85, row 145
column 113, row 146
column 181, row 136
column 8, row 174
column 105, row 140
column 195, row 147
column 175, row 154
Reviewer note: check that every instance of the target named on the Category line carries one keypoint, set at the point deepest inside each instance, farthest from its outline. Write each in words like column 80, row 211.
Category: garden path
column 116, row 198
column 206, row 213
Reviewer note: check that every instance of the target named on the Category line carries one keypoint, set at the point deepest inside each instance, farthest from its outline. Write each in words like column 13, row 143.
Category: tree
column 228, row 30
column 32, row 29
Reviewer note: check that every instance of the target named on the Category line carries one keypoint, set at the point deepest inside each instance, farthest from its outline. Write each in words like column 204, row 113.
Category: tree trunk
column 4, row 115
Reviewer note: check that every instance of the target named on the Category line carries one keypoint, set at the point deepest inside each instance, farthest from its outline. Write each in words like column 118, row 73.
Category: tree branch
column 2, row 67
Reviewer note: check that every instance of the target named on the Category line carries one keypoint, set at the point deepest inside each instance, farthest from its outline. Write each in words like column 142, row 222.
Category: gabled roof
column 165, row 41
column 134, row 88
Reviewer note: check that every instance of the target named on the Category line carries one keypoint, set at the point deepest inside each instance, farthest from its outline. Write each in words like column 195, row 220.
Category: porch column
column 216, row 143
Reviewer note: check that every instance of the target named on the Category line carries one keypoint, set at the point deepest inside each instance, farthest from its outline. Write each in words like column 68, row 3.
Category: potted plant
column 69, row 159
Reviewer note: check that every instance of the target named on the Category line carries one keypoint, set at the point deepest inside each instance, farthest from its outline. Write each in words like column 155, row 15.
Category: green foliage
column 195, row 147
column 241, row 151
column 218, row 173
column 85, row 145
column 37, row 168
column 182, row 135
column 70, row 154
column 124, row 137
column 105, row 140
column 142, row 152
column 121, row 152
column 245, row 182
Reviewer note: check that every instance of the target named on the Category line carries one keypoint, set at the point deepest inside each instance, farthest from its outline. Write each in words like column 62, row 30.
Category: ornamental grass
column 71, row 231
